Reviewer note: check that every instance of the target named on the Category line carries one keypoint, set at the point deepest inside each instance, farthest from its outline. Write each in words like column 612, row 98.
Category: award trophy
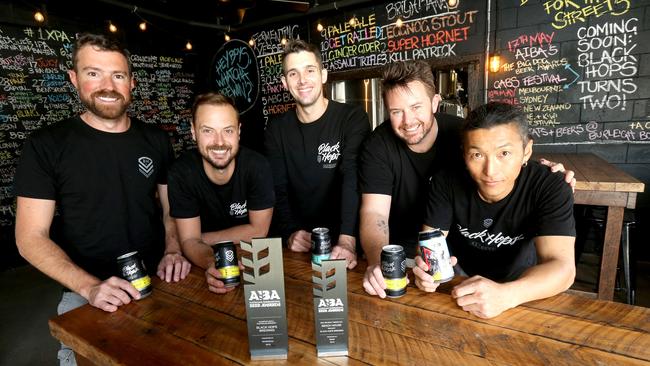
column 331, row 308
column 266, row 313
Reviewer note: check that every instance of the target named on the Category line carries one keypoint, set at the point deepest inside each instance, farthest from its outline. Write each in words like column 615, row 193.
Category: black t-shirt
column 105, row 188
column 315, row 169
column 496, row 240
column 389, row 167
column 192, row 194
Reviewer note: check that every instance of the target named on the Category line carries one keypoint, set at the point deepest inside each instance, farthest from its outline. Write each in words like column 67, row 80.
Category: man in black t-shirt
column 397, row 162
column 313, row 154
column 102, row 170
column 220, row 191
column 509, row 223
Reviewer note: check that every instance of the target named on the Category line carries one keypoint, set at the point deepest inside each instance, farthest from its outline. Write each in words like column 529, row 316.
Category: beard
column 223, row 164
column 106, row 111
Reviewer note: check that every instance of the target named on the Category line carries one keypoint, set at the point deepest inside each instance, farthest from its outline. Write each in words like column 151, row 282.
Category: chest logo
column 328, row 154
column 487, row 223
column 238, row 209
column 145, row 166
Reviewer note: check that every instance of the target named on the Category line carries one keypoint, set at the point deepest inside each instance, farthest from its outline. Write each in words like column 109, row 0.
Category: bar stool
column 596, row 215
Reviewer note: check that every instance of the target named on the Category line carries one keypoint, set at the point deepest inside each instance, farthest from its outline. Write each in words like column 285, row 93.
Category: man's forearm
column 374, row 235
column 198, row 252
column 542, row 281
column 172, row 244
column 50, row 259
column 235, row 234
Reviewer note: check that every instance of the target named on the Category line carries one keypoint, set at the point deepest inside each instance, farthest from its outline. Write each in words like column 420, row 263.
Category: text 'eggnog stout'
column 225, row 260
column 321, row 245
column 132, row 269
column 435, row 253
column 393, row 267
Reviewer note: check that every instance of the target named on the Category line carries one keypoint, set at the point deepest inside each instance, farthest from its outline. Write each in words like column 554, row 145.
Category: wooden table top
column 184, row 324
column 593, row 173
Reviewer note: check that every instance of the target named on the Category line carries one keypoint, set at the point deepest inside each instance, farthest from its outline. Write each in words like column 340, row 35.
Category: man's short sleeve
column 439, row 207
column 182, row 203
column 375, row 173
column 35, row 175
column 555, row 208
column 262, row 193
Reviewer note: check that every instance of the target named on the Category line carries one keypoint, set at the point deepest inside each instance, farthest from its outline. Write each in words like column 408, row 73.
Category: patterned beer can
column 132, row 269
column 225, row 260
column 321, row 245
column 393, row 267
column 435, row 253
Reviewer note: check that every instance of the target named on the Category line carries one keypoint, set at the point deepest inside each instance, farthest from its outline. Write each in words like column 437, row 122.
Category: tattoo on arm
column 383, row 226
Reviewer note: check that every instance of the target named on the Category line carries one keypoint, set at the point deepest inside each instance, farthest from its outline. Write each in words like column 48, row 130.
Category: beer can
column 225, row 260
column 393, row 267
column 435, row 253
column 132, row 269
column 321, row 245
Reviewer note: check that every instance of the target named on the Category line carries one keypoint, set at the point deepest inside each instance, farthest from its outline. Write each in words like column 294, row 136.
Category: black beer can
column 225, row 260
column 321, row 245
column 393, row 267
column 132, row 269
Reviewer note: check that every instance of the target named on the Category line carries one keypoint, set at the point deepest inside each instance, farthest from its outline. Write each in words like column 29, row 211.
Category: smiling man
column 220, row 191
column 313, row 153
column 106, row 173
column 509, row 222
column 398, row 160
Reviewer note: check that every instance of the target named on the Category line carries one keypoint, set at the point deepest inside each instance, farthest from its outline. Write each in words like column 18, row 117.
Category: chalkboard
column 235, row 74
column 35, row 91
column 268, row 48
column 401, row 31
column 574, row 67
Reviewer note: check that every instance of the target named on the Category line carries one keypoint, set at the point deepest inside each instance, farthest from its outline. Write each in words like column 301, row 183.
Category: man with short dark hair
column 398, row 160
column 509, row 222
column 221, row 191
column 106, row 173
column 313, row 154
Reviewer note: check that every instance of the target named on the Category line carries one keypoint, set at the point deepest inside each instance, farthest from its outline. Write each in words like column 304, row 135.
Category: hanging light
column 111, row 27
column 283, row 41
column 226, row 37
column 495, row 62
column 452, row 3
column 143, row 26
column 251, row 42
column 319, row 27
column 399, row 22
column 353, row 20
column 39, row 16
column 188, row 46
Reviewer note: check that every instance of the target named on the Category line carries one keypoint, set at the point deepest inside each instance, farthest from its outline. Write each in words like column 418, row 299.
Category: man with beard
column 313, row 153
column 103, row 171
column 399, row 159
column 220, row 191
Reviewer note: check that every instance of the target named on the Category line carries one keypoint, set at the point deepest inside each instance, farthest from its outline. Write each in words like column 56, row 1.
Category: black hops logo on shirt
column 145, row 166
column 328, row 154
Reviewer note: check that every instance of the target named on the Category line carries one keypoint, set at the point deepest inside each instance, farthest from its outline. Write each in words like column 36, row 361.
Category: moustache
column 107, row 94
column 219, row 147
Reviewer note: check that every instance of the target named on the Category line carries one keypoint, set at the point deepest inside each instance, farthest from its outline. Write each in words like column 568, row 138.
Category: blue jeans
column 69, row 301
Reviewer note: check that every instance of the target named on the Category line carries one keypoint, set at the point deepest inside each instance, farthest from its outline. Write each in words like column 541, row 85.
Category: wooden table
column 601, row 183
column 184, row 324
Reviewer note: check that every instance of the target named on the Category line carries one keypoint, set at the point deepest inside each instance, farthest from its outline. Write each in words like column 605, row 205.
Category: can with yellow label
column 225, row 260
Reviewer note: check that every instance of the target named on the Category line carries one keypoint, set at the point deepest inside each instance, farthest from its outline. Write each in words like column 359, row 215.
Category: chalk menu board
column 429, row 29
column 268, row 48
column 35, row 91
column 576, row 71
